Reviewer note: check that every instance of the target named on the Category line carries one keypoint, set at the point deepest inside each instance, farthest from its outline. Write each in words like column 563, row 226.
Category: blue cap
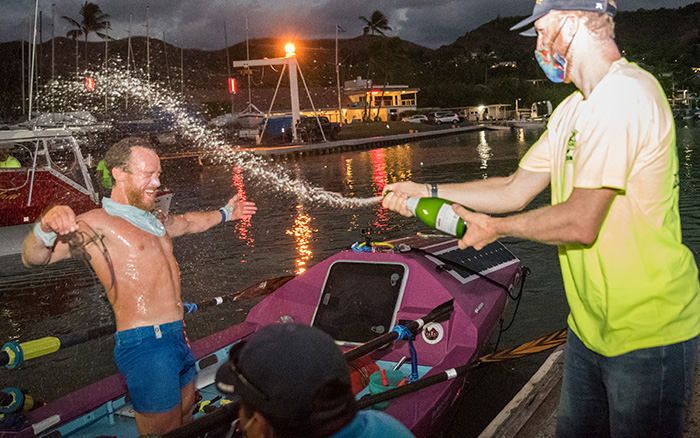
column 542, row 8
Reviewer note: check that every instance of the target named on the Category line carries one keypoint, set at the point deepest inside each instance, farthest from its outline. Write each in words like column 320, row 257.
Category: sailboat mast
column 129, row 57
column 337, row 75
column 228, row 63
column 31, row 71
column 148, row 49
column 247, row 53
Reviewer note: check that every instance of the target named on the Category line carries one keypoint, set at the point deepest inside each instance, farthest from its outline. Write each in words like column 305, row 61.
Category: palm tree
column 376, row 23
column 93, row 21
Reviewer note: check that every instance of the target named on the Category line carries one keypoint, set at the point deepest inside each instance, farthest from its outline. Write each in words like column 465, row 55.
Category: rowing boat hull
column 103, row 409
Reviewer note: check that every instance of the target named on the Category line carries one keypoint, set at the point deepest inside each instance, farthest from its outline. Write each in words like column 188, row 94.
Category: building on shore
column 377, row 102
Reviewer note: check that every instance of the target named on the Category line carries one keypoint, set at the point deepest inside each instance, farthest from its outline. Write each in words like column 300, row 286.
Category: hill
column 489, row 64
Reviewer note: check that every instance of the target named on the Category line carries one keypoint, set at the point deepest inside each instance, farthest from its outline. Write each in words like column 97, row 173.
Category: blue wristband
column 48, row 238
column 226, row 213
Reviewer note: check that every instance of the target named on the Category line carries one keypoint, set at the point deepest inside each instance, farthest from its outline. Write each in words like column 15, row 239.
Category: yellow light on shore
column 289, row 48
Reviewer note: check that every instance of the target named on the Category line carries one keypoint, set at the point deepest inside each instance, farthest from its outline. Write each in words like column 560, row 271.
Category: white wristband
column 48, row 238
column 226, row 213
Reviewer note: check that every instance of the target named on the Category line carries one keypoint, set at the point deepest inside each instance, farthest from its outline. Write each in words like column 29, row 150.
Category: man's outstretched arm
column 196, row 222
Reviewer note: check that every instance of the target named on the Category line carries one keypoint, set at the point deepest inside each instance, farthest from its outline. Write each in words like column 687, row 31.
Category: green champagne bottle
column 437, row 213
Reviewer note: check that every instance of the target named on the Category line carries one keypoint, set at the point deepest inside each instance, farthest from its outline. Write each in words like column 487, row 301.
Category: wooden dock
column 532, row 412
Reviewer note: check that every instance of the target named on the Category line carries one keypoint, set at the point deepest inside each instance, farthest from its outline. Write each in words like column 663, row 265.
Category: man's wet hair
column 119, row 155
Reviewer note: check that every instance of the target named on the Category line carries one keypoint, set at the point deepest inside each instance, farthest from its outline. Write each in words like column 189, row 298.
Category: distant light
column 89, row 83
column 289, row 48
column 232, row 85
column 481, row 108
column 374, row 92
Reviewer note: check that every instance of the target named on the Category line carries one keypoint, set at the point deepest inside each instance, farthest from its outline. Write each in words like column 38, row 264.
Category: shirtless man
column 132, row 253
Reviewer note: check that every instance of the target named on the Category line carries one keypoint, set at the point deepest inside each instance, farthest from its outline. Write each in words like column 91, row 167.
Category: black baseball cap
column 542, row 8
column 293, row 374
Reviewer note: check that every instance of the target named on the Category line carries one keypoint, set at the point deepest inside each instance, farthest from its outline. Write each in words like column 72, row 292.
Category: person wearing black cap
column 610, row 159
column 293, row 382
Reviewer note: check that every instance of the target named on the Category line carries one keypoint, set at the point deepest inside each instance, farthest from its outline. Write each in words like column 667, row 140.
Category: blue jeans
column 643, row 393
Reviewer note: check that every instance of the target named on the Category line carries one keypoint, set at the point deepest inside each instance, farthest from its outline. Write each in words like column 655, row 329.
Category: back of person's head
column 295, row 376
column 119, row 154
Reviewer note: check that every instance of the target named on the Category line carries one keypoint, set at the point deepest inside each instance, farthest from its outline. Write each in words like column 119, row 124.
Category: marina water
column 290, row 234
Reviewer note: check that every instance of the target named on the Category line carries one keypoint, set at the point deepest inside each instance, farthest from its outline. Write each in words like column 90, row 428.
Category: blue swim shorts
column 157, row 362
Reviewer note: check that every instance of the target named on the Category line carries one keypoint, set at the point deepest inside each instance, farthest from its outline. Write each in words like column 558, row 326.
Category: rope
column 191, row 307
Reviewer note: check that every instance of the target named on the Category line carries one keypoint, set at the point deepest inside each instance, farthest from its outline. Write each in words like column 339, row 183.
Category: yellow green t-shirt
column 637, row 285
column 107, row 181
column 10, row 162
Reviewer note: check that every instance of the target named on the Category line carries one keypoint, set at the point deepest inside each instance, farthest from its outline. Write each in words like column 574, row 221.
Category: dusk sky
column 200, row 23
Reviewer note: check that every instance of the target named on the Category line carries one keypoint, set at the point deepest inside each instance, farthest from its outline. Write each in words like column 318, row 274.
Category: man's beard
column 136, row 199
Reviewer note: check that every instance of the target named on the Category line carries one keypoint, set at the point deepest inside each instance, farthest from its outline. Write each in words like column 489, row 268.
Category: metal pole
column 228, row 64
column 53, row 53
column 337, row 75
column 294, row 90
column 247, row 52
column 129, row 57
column 148, row 50
column 24, row 103
column 31, row 71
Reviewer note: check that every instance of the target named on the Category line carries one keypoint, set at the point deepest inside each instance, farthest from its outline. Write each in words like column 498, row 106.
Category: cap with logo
column 542, row 8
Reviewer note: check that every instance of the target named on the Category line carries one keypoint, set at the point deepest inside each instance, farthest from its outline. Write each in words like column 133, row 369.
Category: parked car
column 444, row 117
column 309, row 131
column 416, row 118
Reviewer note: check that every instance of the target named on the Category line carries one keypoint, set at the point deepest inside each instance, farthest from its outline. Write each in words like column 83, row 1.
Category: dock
column 308, row 149
column 532, row 413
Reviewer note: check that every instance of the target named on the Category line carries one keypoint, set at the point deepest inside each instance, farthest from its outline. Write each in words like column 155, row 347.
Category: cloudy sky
column 200, row 23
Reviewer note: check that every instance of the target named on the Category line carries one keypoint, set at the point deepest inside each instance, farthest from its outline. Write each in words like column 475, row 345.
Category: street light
column 289, row 48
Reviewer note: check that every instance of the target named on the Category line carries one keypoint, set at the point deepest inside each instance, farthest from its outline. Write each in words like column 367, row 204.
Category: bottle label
column 447, row 220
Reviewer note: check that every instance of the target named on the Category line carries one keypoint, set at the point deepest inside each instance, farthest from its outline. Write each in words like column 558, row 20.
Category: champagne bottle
column 437, row 213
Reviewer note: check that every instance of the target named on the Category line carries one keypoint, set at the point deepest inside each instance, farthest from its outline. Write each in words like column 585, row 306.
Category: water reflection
column 484, row 151
column 398, row 163
column 302, row 233
column 243, row 225
column 349, row 177
column 378, row 173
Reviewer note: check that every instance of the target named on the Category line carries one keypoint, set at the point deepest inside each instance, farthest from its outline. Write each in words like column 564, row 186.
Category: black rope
column 525, row 272
column 78, row 243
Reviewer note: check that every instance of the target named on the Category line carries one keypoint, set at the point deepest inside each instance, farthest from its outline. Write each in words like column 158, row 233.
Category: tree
column 93, row 21
column 376, row 23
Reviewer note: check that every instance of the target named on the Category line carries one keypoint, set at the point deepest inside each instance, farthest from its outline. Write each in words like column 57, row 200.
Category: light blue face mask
column 135, row 216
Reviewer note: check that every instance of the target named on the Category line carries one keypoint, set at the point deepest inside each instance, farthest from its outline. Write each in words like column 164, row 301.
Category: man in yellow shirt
column 7, row 161
column 609, row 156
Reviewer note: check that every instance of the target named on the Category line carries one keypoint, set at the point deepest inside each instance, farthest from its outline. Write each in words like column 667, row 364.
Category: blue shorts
column 157, row 362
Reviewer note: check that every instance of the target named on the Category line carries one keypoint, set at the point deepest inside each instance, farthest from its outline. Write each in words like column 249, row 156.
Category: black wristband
column 433, row 190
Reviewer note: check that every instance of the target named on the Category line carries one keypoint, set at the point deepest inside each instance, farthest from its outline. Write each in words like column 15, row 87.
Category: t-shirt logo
column 571, row 146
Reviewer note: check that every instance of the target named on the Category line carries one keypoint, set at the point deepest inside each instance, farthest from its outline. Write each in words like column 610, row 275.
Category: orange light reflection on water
column 243, row 225
column 302, row 233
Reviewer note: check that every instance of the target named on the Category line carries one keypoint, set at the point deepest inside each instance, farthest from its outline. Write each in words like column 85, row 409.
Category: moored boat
column 52, row 171
column 355, row 296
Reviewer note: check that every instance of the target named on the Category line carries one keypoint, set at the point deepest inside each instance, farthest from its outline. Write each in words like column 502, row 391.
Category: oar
column 538, row 345
column 443, row 310
column 228, row 413
column 14, row 353
column 225, row 415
